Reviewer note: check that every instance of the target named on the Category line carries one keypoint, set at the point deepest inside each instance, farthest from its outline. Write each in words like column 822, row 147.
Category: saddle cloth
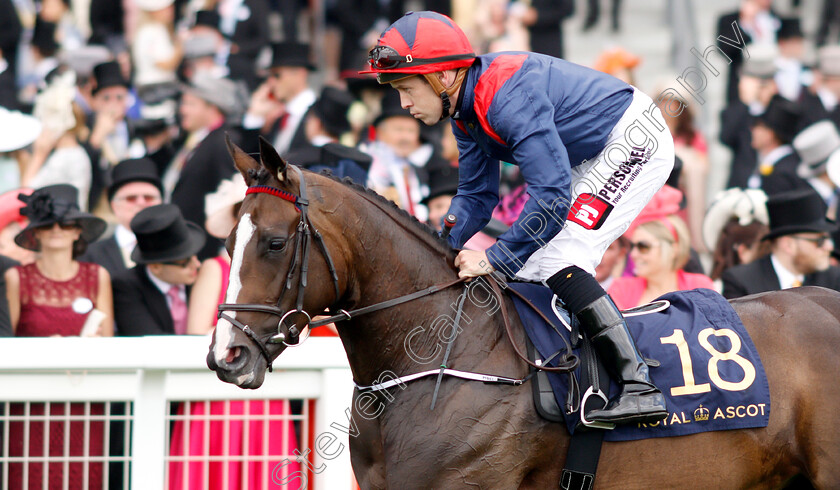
column 710, row 372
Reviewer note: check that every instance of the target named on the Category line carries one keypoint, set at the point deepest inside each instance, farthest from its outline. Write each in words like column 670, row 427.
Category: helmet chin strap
column 446, row 93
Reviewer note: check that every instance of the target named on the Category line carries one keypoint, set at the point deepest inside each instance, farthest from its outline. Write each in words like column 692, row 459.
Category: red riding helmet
column 419, row 43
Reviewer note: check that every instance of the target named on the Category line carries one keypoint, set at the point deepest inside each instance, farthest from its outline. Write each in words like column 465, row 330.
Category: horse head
column 283, row 268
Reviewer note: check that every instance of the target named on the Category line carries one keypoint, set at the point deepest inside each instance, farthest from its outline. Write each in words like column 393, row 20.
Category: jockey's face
column 420, row 99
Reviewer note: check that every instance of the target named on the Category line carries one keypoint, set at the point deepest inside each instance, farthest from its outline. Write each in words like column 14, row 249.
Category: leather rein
column 304, row 234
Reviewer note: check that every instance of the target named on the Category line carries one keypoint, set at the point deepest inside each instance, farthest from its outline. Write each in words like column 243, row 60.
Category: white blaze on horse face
column 224, row 329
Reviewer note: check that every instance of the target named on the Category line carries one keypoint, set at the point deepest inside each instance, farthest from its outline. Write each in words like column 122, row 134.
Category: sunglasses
column 819, row 241
column 135, row 198
column 643, row 247
column 180, row 263
column 67, row 225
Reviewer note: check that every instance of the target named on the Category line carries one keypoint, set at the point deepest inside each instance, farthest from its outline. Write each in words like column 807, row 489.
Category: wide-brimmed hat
column 81, row 60
column 133, row 170
column 163, row 235
column 201, row 46
column 666, row 202
column 761, row 63
column 391, row 107
column 17, row 130
column 782, row 117
column 290, row 54
column 55, row 204
column 219, row 206
column 331, row 108
column 443, row 180
column 814, row 145
column 798, row 211
column 108, row 74
column 748, row 205
column 230, row 97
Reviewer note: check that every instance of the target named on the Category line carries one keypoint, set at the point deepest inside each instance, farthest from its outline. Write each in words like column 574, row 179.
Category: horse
column 483, row 435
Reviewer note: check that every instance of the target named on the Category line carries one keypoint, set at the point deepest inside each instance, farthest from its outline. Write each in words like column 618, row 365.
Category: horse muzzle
column 240, row 364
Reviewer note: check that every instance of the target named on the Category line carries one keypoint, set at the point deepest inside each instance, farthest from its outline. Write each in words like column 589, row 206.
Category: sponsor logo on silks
column 619, row 181
column 589, row 211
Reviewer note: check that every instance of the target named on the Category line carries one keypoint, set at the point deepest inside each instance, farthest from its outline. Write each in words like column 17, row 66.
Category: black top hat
column 781, row 116
column 163, row 235
column 443, row 180
column 789, row 28
column 108, row 74
column 798, row 211
column 331, row 108
column 290, row 54
column 391, row 107
column 43, row 37
column 207, row 18
column 55, row 204
column 133, row 170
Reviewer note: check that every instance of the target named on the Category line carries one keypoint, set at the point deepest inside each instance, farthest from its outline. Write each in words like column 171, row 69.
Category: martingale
column 710, row 372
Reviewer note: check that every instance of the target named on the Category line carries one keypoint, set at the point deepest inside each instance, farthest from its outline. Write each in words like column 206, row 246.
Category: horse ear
column 272, row 161
column 246, row 164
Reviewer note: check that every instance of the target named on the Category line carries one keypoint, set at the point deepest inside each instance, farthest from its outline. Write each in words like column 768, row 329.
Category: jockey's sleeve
column 526, row 124
column 478, row 189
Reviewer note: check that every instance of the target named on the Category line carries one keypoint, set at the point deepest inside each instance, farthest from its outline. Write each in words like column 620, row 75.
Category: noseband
column 303, row 237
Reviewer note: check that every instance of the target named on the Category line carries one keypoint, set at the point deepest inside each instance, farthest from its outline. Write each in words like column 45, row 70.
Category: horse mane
column 392, row 209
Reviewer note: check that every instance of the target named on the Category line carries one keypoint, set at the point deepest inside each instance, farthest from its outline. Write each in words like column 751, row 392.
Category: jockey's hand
column 473, row 263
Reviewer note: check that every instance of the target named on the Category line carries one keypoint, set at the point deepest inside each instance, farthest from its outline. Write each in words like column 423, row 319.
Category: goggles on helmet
column 387, row 58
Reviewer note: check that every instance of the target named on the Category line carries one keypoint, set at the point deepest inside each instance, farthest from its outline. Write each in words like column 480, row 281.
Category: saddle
column 592, row 375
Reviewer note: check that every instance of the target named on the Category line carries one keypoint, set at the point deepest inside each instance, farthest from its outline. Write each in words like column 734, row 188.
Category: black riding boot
column 639, row 400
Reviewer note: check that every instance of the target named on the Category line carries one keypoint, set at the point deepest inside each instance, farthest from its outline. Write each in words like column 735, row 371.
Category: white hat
column 54, row 105
column 833, row 168
column 747, row 205
column 218, row 206
column 153, row 5
column 814, row 145
column 17, row 130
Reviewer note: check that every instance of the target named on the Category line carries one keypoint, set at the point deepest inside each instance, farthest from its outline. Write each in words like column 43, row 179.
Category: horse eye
column 276, row 244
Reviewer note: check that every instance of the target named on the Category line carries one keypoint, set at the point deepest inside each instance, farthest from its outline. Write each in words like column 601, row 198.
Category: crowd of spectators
column 118, row 192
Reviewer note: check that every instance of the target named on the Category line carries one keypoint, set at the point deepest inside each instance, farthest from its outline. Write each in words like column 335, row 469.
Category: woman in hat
column 57, row 156
column 208, row 292
column 58, row 296
column 733, row 227
column 659, row 248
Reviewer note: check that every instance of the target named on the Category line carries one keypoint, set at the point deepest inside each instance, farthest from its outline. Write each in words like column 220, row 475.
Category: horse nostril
column 232, row 354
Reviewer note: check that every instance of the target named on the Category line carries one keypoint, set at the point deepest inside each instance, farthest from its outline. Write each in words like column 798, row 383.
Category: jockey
column 592, row 149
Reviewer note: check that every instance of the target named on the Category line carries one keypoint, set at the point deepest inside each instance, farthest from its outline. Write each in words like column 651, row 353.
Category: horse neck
column 388, row 257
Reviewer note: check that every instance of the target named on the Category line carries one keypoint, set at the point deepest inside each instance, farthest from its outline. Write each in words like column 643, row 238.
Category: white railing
column 151, row 371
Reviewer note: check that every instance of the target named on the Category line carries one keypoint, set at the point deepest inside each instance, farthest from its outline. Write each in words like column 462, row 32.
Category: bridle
column 303, row 237
column 304, row 234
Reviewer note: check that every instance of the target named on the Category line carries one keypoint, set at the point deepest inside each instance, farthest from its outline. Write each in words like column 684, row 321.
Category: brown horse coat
column 490, row 436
